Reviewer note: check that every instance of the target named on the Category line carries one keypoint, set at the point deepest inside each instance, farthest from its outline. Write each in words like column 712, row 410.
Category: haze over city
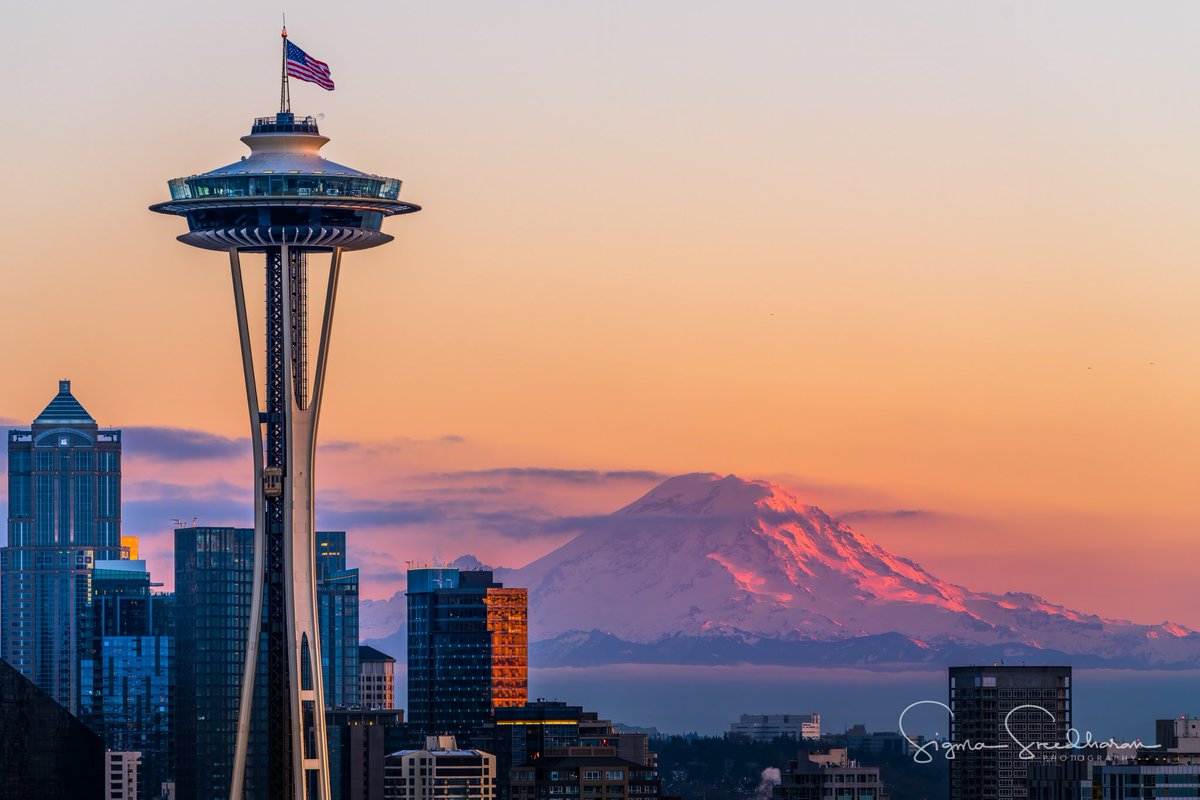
column 931, row 268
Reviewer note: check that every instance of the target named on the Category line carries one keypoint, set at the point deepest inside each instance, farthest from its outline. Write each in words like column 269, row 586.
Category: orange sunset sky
column 933, row 265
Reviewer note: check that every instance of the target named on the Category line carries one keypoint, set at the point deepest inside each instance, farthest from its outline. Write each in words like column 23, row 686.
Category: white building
column 376, row 678
column 829, row 774
column 121, row 774
column 440, row 771
column 1180, row 736
column 768, row 727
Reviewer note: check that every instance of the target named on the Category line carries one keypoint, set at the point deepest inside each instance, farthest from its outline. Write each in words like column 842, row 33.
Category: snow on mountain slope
column 708, row 556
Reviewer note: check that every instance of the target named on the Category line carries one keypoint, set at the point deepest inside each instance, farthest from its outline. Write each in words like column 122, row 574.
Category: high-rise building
column 467, row 649
column 769, row 727
column 440, row 770
column 214, row 572
column 359, row 742
column 45, row 753
column 816, row 776
column 376, row 678
column 129, row 679
column 337, row 612
column 64, row 514
column 985, row 703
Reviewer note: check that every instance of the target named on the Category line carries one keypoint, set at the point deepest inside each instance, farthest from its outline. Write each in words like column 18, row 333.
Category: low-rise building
column 858, row 740
column 1061, row 780
column 359, row 741
column 584, row 773
column 440, row 771
column 1179, row 736
column 769, row 727
column 121, row 769
column 376, row 678
column 1130, row 781
column 821, row 775
column 519, row 734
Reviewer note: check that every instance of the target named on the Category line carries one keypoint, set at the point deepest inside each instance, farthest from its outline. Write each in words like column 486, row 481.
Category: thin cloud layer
column 577, row 476
column 884, row 513
column 180, row 444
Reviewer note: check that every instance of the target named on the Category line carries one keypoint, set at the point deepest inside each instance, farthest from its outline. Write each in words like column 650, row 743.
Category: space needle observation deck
column 285, row 192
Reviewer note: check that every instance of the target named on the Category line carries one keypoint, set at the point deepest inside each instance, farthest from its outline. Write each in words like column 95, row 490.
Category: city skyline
column 935, row 276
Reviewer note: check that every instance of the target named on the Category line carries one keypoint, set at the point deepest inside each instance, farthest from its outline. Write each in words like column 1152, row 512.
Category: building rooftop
column 64, row 409
column 590, row 759
column 284, row 122
column 368, row 653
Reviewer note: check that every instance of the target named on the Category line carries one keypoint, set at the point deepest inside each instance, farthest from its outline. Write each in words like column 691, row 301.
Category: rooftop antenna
column 285, row 92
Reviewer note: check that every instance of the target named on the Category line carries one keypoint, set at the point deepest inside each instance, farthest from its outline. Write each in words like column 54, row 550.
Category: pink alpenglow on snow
column 705, row 556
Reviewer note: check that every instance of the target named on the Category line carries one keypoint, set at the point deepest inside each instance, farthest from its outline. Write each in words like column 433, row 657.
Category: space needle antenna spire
column 285, row 93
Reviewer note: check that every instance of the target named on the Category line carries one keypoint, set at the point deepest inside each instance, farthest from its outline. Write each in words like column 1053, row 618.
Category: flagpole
column 285, row 94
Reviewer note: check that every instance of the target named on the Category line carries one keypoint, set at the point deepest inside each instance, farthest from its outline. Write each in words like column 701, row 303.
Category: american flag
column 303, row 66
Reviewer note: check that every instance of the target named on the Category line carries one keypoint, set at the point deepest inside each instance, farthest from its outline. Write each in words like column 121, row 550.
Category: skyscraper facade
column 467, row 650
column 45, row 753
column 1034, row 703
column 214, row 575
column 214, row 572
column 130, row 699
column 337, row 612
column 64, row 514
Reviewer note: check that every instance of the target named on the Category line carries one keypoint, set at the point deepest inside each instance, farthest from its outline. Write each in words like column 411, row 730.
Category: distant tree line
column 731, row 768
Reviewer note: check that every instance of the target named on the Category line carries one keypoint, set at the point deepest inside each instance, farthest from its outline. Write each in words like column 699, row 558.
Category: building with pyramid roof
column 64, row 515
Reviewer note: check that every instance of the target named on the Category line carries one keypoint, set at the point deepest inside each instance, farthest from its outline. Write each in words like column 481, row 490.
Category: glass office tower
column 45, row 753
column 337, row 611
column 131, row 702
column 214, row 575
column 214, row 572
column 64, row 514
column 467, row 650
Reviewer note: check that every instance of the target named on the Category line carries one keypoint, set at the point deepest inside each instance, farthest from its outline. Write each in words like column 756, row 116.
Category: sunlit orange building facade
column 467, row 650
column 508, row 624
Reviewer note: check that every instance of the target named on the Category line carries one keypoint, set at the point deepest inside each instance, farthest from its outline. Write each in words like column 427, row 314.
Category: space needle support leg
column 310, row 754
column 254, row 629
column 314, row 410
column 318, row 391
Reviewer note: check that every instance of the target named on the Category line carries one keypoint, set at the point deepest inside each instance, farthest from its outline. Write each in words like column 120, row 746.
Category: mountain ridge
column 748, row 568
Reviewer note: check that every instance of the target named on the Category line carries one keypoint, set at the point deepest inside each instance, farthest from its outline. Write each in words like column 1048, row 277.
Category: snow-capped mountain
column 711, row 569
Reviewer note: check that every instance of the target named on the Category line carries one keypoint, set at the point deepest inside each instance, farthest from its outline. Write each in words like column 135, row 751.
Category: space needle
column 287, row 202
